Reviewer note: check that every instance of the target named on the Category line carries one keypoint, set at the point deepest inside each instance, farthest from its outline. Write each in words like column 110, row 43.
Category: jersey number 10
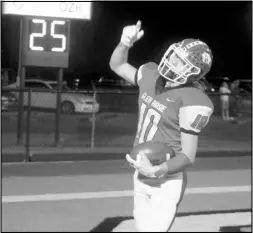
column 200, row 122
column 147, row 125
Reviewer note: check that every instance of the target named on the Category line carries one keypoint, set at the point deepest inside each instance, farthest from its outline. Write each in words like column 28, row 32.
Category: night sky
column 225, row 26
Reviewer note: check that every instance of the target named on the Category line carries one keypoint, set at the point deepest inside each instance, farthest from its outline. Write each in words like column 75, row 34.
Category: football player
column 172, row 110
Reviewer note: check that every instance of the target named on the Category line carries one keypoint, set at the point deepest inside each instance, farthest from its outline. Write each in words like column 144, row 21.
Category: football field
column 97, row 196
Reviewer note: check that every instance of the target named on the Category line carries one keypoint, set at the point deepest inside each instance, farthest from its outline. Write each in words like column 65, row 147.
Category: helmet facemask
column 175, row 66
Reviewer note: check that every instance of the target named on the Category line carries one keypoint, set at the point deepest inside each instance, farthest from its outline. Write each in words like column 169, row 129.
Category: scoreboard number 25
column 44, row 26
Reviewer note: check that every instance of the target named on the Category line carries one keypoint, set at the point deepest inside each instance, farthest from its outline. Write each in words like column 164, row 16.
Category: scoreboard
column 45, row 42
column 45, row 30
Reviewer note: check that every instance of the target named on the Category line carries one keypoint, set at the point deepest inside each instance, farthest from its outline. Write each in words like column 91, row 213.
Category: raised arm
column 119, row 59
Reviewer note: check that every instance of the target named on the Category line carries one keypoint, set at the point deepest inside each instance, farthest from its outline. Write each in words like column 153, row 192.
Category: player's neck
column 171, row 84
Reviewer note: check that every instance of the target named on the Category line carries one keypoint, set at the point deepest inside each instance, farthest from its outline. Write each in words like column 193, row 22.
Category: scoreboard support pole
column 21, row 77
column 58, row 106
column 21, row 117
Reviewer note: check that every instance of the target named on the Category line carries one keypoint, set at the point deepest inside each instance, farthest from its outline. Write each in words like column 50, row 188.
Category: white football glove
column 131, row 34
column 143, row 165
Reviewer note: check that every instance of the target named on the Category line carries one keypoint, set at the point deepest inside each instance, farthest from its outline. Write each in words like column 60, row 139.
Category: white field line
column 115, row 194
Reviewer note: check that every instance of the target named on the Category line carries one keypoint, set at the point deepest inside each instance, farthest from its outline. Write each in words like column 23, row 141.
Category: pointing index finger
column 138, row 25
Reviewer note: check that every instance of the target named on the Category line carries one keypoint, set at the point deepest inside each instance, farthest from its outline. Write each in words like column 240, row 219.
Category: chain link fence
column 95, row 118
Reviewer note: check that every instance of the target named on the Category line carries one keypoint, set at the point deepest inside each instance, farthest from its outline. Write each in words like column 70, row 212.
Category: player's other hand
column 143, row 165
column 131, row 34
column 132, row 162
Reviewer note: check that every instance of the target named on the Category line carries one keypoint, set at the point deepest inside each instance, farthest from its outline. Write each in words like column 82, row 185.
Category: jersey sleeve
column 139, row 74
column 192, row 119
column 145, row 71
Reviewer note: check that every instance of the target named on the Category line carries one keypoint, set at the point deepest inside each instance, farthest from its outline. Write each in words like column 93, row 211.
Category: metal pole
column 20, row 48
column 93, row 127
column 58, row 107
column 21, row 117
column 5, row 80
column 21, row 75
column 28, row 131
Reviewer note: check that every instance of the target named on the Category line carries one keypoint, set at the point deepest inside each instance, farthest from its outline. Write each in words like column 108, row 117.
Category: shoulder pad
column 194, row 97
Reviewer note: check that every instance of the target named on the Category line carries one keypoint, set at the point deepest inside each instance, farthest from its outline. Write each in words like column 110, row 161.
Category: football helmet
column 156, row 152
column 186, row 61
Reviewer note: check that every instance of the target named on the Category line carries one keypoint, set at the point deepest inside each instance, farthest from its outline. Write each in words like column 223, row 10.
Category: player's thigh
column 164, row 203
column 141, row 199
column 184, row 185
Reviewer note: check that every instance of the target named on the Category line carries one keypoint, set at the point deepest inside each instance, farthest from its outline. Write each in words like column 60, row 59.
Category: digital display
column 48, row 35
column 46, row 42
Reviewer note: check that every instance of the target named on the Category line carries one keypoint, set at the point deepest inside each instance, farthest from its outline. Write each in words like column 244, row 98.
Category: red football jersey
column 162, row 117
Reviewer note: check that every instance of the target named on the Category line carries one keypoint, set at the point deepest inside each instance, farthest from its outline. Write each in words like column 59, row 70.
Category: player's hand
column 139, row 160
column 131, row 34
column 143, row 165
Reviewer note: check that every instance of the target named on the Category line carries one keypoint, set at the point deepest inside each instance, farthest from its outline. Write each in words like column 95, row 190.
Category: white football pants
column 155, row 206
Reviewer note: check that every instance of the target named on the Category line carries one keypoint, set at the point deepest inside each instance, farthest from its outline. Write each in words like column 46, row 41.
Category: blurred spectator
column 76, row 83
column 235, row 86
column 235, row 98
column 224, row 90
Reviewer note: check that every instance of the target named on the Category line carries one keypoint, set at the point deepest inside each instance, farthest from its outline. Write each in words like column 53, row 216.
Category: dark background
column 225, row 26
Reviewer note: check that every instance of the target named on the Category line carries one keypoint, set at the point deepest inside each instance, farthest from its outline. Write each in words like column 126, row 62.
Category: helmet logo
column 206, row 58
column 192, row 44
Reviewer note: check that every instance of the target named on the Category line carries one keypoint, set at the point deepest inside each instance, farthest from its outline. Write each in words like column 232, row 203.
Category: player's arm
column 119, row 63
column 119, row 59
column 192, row 120
column 182, row 159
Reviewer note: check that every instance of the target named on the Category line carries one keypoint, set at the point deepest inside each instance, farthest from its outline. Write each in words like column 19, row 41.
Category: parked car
column 114, row 83
column 213, row 85
column 116, row 95
column 245, row 86
column 8, row 101
column 44, row 96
